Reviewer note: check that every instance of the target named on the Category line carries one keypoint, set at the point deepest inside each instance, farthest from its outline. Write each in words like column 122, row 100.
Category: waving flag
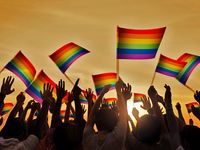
column 191, row 62
column 6, row 108
column 62, row 114
column 169, row 67
column 66, row 55
column 100, row 80
column 22, row 67
column 138, row 44
column 138, row 97
column 189, row 106
column 110, row 101
column 37, row 85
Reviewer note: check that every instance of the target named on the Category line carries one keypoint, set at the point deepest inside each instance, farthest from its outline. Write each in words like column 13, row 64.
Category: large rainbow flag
column 66, row 55
column 22, row 67
column 6, row 108
column 138, row 43
column 100, row 80
column 189, row 106
column 169, row 67
column 192, row 61
column 37, row 85
column 138, row 97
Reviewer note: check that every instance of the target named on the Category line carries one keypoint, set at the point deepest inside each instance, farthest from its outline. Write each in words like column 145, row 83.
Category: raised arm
column 6, row 89
column 61, row 92
column 68, row 107
column 171, row 120
column 88, row 95
column 91, row 119
column 18, row 105
column 180, row 114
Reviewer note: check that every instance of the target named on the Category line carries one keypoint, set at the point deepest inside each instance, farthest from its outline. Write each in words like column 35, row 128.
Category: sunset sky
column 38, row 28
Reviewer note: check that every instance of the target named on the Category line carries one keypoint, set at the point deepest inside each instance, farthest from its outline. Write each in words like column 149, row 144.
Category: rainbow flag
column 169, row 67
column 6, row 108
column 189, row 106
column 83, row 100
column 100, row 80
column 22, row 67
column 66, row 55
column 138, row 97
column 37, row 85
column 191, row 62
column 110, row 101
column 138, row 44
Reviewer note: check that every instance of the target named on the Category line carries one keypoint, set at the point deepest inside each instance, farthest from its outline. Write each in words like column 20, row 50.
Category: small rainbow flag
column 100, row 80
column 138, row 97
column 191, row 62
column 6, row 108
column 110, row 101
column 138, row 44
column 169, row 67
column 83, row 100
column 22, row 67
column 66, row 55
column 189, row 106
column 37, row 85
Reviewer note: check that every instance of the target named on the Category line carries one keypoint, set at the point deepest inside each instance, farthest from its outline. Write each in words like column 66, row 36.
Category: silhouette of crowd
column 107, row 127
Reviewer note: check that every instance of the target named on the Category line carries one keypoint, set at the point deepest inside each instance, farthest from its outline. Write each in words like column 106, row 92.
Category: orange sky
column 39, row 28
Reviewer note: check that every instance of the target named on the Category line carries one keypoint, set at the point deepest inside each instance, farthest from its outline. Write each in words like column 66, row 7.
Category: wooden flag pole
column 117, row 68
column 1, row 70
column 69, row 79
column 154, row 75
column 190, row 88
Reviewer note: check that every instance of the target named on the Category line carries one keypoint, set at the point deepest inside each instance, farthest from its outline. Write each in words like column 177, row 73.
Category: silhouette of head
column 148, row 129
column 190, row 137
column 67, row 136
column 106, row 119
column 14, row 128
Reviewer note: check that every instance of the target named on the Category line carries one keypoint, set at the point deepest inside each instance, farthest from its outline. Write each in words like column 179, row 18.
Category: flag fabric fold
column 22, row 68
column 37, row 85
column 189, row 106
column 169, row 67
column 66, row 55
column 191, row 62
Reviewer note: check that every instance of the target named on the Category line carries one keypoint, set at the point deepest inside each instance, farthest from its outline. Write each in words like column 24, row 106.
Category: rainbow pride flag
column 37, row 85
column 189, row 106
column 22, row 67
column 138, row 97
column 6, row 108
column 191, row 62
column 83, row 100
column 138, row 43
column 169, row 67
column 100, row 80
column 110, row 101
column 66, row 55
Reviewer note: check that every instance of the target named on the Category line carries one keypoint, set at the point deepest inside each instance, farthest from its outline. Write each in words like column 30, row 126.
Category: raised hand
column 178, row 106
column 197, row 96
column 146, row 103
column 20, row 98
column 76, row 89
column 106, row 88
column 6, row 87
column 126, row 91
column 168, row 94
column 60, row 90
column 191, row 122
column 152, row 92
column 47, row 93
column 160, row 100
column 89, row 95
